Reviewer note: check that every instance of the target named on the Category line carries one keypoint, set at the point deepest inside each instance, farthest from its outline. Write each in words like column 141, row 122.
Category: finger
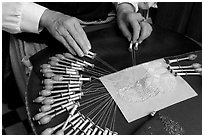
column 64, row 42
column 136, row 30
column 65, row 34
column 83, row 34
column 146, row 30
column 124, row 28
column 78, row 38
column 134, row 23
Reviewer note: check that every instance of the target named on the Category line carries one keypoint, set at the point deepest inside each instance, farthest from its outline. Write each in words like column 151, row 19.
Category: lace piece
column 153, row 81
column 161, row 124
column 172, row 127
column 138, row 91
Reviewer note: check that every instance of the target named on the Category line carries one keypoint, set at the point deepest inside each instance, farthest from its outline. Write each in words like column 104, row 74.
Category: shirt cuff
column 30, row 18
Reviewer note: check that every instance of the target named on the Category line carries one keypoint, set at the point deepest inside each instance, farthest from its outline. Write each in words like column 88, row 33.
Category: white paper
column 145, row 88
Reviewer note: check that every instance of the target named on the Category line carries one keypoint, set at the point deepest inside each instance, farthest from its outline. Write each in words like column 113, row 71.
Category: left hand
column 127, row 18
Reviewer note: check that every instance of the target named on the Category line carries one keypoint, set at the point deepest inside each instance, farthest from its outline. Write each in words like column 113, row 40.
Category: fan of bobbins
column 72, row 86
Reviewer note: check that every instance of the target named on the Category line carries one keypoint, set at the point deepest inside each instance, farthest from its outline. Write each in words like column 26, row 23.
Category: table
column 110, row 45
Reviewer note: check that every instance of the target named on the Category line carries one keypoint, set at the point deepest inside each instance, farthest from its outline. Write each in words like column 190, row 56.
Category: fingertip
column 81, row 54
column 140, row 41
column 89, row 46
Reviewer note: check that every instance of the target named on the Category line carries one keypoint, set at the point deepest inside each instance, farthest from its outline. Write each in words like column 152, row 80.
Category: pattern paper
column 148, row 87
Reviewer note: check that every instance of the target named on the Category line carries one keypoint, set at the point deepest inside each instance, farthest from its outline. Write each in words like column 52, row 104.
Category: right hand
column 67, row 30
column 127, row 18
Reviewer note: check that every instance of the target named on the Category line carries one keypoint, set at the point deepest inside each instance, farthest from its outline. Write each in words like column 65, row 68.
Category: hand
column 127, row 18
column 67, row 30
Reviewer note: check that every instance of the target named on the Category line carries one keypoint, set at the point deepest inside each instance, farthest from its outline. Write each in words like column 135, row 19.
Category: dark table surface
column 109, row 44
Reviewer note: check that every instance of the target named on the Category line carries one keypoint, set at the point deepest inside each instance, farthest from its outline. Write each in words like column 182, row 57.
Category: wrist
column 44, row 18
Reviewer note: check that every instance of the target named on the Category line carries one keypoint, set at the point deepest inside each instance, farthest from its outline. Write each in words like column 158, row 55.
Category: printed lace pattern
column 155, row 79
